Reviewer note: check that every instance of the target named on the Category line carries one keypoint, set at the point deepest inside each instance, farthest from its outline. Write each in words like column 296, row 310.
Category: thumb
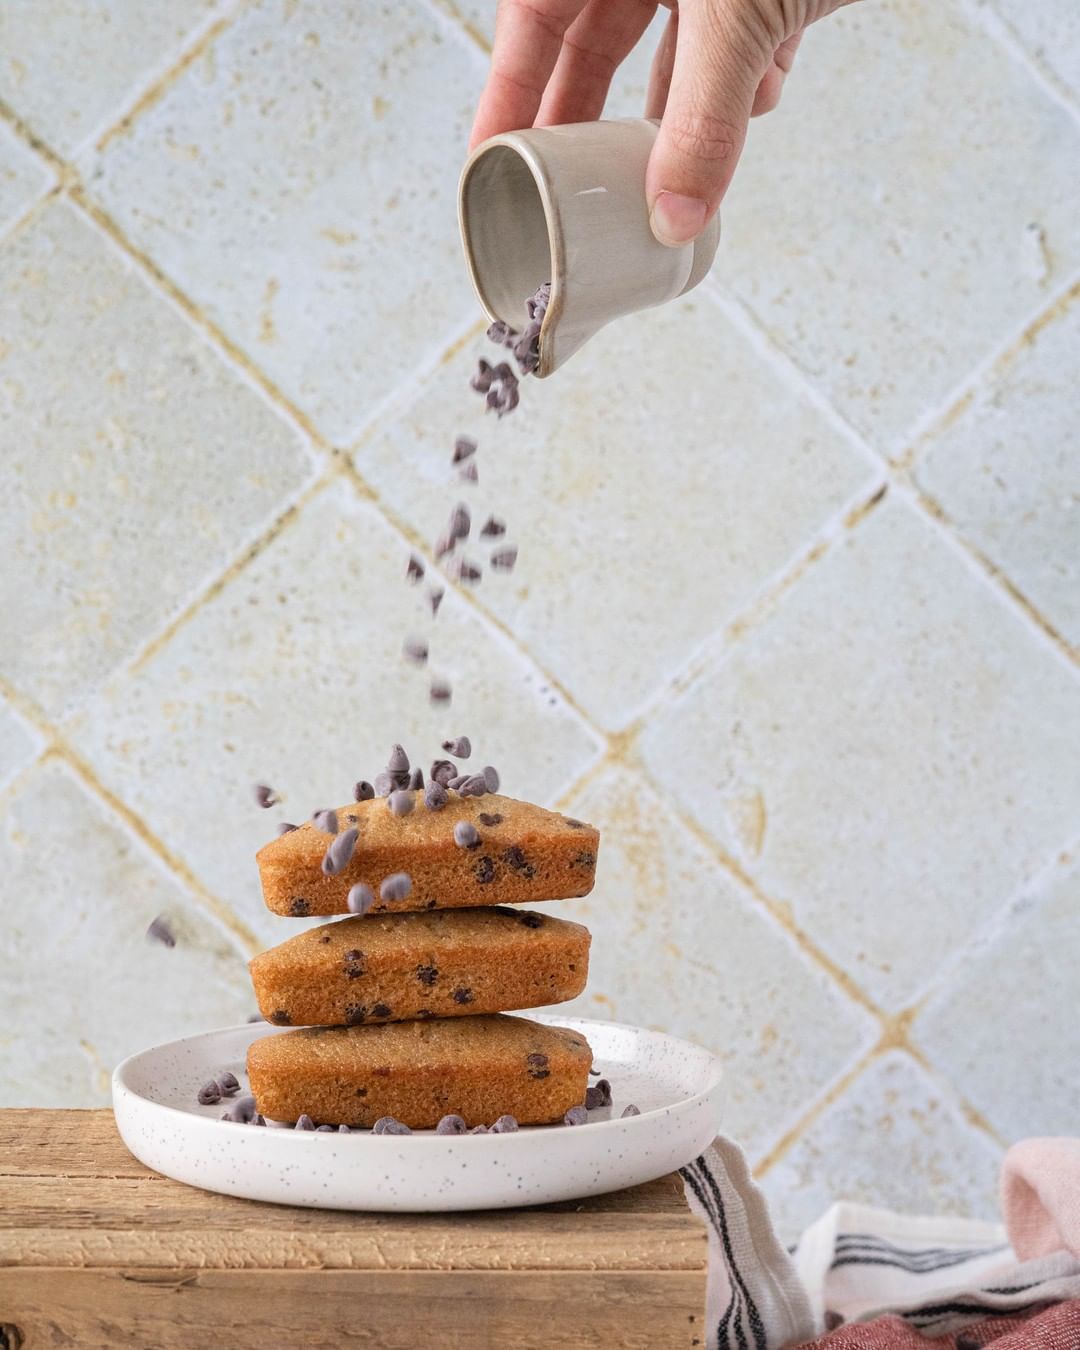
column 719, row 63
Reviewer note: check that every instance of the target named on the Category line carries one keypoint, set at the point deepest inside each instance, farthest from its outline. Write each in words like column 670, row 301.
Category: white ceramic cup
column 567, row 205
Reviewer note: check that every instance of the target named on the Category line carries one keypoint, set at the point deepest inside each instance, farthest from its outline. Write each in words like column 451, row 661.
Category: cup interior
column 506, row 232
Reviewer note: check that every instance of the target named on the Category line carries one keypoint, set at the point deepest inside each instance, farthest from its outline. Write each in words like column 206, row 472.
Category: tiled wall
column 795, row 614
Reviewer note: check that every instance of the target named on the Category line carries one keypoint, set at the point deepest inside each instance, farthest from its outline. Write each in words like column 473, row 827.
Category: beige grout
column 450, row 10
column 994, row 23
column 34, row 142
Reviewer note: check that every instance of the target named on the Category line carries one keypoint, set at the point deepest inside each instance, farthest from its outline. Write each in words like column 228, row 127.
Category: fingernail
column 676, row 219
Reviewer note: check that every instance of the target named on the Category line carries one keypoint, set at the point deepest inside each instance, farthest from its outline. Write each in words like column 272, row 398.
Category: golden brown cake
column 438, row 963
column 522, row 853
column 476, row 1067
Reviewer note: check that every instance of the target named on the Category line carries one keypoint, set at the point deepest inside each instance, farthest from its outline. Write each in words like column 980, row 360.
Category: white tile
column 22, row 176
column 69, row 67
column 18, row 744
column 891, row 1140
column 1006, row 471
column 293, row 676
column 678, row 948
column 299, row 183
column 871, row 228
column 1050, row 32
column 654, row 486
column 82, row 985
column 137, row 462
column 1005, row 1031
column 892, row 753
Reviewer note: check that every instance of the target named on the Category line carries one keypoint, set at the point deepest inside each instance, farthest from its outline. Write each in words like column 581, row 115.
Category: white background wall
column 797, row 605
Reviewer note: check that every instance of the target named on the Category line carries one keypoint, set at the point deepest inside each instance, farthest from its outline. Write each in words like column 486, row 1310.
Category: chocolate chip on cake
column 355, row 1013
column 475, row 785
column 462, row 995
column 427, row 974
column 485, row 870
column 466, row 835
column 401, row 801
column 360, row 898
column 363, row 791
column 490, row 818
column 299, row 908
column 380, row 1010
column 537, row 1065
column 436, row 797
column 531, row 920
column 326, row 821
column 515, row 858
column 280, row 1018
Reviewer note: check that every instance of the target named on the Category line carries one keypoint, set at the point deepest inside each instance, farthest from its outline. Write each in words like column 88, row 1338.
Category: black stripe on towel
column 757, row 1326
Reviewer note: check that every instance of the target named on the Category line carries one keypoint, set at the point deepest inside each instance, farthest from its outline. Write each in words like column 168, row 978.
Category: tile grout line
column 33, row 142
column 450, row 14
column 994, row 24
column 29, row 213
column 56, row 747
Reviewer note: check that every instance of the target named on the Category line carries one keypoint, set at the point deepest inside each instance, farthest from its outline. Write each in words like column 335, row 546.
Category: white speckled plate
column 676, row 1085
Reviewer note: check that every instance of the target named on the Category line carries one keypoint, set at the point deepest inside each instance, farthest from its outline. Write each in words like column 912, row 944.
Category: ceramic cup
column 567, row 205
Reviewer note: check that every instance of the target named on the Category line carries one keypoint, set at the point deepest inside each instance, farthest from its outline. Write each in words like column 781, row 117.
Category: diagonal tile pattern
column 137, row 485
column 865, row 756
column 333, row 269
column 885, row 754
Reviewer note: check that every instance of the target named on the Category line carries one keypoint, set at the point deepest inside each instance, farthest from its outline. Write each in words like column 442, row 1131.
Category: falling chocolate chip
column 484, row 870
column 501, row 333
column 464, row 570
column 299, row 908
column 458, row 746
column 516, row 859
column 577, row 1115
column 389, row 1125
column 481, row 380
column 401, row 802
column 475, row 785
column 363, row 791
column 466, row 835
column 265, row 796
column 464, row 447
column 451, row 1125
column 209, row 1094
column 304, row 1123
column 427, row 974
column 396, row 887
column 470, row 473
column 493, row 528
column 339, row 854
column 360, row 898
column 398, row 761
column 436, row 797
column 435, row 599
column 256, row 1119
column 460, row 522
column 326, row 821
column 503, row 559
column 159, row 931
column 462, row 995
column 415, row 570
column 490, row 818
column 491, row 778
column 505, row 1125
column 280, row 1017
column 440, row 691
column 286, row 828
column 630, row 1110
column 446, row 543
column 415, row 649
column 442, row 771
column 456, row 782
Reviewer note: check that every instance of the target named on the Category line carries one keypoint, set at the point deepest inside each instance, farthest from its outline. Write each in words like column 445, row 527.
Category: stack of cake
column 400, row 1007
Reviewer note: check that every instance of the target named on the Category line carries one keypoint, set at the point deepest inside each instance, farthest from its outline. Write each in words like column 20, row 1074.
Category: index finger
column 528, row 39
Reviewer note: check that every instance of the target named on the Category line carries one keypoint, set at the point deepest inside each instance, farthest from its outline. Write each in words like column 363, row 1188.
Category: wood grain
column 96, row 1251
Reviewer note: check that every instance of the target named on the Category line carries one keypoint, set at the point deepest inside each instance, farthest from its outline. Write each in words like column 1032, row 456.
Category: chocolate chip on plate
column 577, row 1115
column 304, row 1123
column 390, row 1125
column 630, row 1110
column 451, row 1125
column 505, row 1125
column 209, row 1094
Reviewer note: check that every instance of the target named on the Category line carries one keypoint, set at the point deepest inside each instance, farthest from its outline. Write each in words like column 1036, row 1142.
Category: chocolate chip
column 427, row 974
column 353, row 972
column 479, row 1129
column 398, row 761
column 436, row 797
column 586, row 858
column 286, row 828
column 464, row 447
column 531, row 920
column 466, row 834
column 415, row 571
column 505, row 1125
column 209, row 1094
column 491, row 778
column 516, row 859
column 299, row 908
column 339, row 854
column 490, row 818
column 458, row 746
column 325, row 1129
column 354, row 954
column 493, row 528
column 442, row 771
column 456, row 782
column 460, row 522
column 537, row 1065
column 361, row 1092
column 594, row 1098
column 396, row 887
column 159, row 931
column 577, row 1115
column 484, row 870
column 451, row 1125
column 435, row 599
column 388, row 1125
column 326, row 821
column 475, row 785
column 256, row 1119
column 415, row 649
column 834, row 1319
column 401, row 802
column 363, row 791
column 360, row 898
column 384, row 784
column 280, row 1018
column 325, row 938
column 416, row 779
column 243, row 1110
column 462, row 995
column 304, row 1123
column 464, row 570
column 470, row 473
column 481, row 381
column 355, row 1014
column 343, row 1129
column 574, row 824
column 380, row 1010
column 446, row 543
column 503, row 559
column 265, row 796
column 630, row 1110
column 228, row 1083
column 440, row 691
column 424, row 1012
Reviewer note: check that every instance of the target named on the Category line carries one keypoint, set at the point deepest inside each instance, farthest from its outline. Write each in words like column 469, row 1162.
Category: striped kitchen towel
column 854, row 1264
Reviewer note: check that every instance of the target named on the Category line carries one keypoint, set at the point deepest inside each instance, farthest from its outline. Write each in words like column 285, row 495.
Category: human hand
column 719, row 63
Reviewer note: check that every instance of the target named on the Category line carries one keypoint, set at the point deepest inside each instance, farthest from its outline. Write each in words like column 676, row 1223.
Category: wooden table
column 96, row 1251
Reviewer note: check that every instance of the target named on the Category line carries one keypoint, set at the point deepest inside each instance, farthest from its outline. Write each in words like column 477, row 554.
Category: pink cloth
column 1040, row 1197
column 1056, row 1328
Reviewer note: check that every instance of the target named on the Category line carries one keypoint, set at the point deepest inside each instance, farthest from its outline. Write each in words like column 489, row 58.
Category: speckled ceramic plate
column 676, row 1086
